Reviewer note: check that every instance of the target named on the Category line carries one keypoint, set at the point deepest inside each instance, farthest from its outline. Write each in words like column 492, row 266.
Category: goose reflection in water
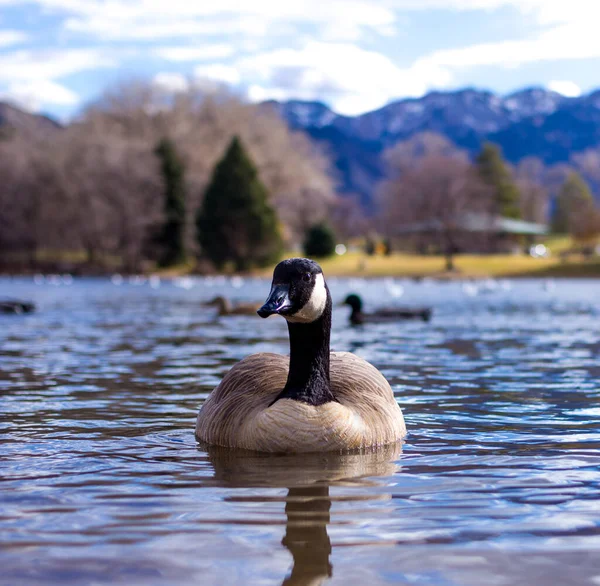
column 307, row 517
column 308, row 478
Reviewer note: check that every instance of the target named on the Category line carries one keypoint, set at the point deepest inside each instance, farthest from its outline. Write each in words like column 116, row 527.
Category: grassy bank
column 358, row 264
column 467, row 266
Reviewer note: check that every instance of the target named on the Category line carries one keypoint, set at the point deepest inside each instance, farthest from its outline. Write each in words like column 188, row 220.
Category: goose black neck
column 308, row 377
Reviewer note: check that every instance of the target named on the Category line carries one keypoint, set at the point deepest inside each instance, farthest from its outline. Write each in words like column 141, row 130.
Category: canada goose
column 225, row 307
column 313, row 401
column 357, row 316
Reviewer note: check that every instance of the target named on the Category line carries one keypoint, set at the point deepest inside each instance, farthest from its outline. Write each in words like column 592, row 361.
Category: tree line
column 145, row 178
column 133, row 181
column 432, row 183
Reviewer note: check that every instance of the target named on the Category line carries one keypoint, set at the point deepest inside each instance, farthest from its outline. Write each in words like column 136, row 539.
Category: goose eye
column 306, row 277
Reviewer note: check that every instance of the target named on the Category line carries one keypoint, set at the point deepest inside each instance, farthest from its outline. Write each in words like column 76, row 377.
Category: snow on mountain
column 532, row 102
column 300, row 114
column 530, row 122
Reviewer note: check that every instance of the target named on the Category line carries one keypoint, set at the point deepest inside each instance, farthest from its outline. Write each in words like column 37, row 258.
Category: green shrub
column 319, row 241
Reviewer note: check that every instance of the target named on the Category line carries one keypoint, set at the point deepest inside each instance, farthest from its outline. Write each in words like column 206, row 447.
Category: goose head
column 300, row 295
column 298, row 292
column 354, row 301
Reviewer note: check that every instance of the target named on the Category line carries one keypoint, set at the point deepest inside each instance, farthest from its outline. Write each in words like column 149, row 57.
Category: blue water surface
column 102, row 481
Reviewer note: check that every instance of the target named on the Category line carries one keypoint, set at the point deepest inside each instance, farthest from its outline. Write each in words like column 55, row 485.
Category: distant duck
column 313, row 401
column 225, row 307
column 388, row 314
column 13, row 306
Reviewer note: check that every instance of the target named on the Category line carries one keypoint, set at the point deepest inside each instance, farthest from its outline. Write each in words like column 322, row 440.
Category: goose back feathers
column 241, row 413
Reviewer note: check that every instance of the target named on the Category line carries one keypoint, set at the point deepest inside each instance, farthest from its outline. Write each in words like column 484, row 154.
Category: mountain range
column 13, row 119
column 532, row 122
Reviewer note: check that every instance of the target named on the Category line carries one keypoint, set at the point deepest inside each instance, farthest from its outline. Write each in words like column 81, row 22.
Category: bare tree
column 31, row 204
column 94, row 187
column 404, row 155
column 201, row 124
column 535, row 200
column 585, row 223
column 433, row 197
column 587, row 164
column 348, row 218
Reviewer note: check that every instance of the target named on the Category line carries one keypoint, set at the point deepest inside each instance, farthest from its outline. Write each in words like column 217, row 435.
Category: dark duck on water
column 384, row 315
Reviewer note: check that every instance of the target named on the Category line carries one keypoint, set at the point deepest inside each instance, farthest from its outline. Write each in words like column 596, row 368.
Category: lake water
column 102, row 481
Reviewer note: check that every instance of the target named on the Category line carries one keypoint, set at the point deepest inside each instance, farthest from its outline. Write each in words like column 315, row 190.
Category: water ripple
column 102, row 481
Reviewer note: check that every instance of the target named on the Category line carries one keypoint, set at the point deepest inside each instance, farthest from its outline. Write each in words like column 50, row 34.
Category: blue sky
column 355, row 55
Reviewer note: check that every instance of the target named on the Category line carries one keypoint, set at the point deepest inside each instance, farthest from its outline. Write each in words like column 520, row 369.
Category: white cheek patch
column 315, row 306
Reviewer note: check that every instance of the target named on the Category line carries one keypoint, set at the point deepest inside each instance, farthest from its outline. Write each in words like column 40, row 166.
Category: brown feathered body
column 240, row 412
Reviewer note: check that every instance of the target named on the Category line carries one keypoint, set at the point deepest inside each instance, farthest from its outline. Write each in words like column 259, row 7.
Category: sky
column 56, row 56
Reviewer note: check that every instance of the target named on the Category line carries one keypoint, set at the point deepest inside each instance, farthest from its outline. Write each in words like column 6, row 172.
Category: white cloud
column 362, row 12
column 338, row 69
column 208, row 78
column 579, row 41
column 116, row 27
column 171, row 82
column 153, row 19
column 544, row 11
column 29, row 78
column 9, row 37
column 30, row 65
column 343, row 19
column 349, row 78
column 199, row 53
column 31, row 95
column 223, row 74
column 567, row 88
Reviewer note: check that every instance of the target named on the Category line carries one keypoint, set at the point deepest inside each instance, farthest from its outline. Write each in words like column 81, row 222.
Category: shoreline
column 358, row 265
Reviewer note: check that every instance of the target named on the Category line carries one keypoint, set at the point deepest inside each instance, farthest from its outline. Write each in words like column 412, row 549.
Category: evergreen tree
column 319, row 241
column 494, row 172
column 387, row 246
column 370, row 246
column 574, row 196
column 236, row 223
column 172, row 237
